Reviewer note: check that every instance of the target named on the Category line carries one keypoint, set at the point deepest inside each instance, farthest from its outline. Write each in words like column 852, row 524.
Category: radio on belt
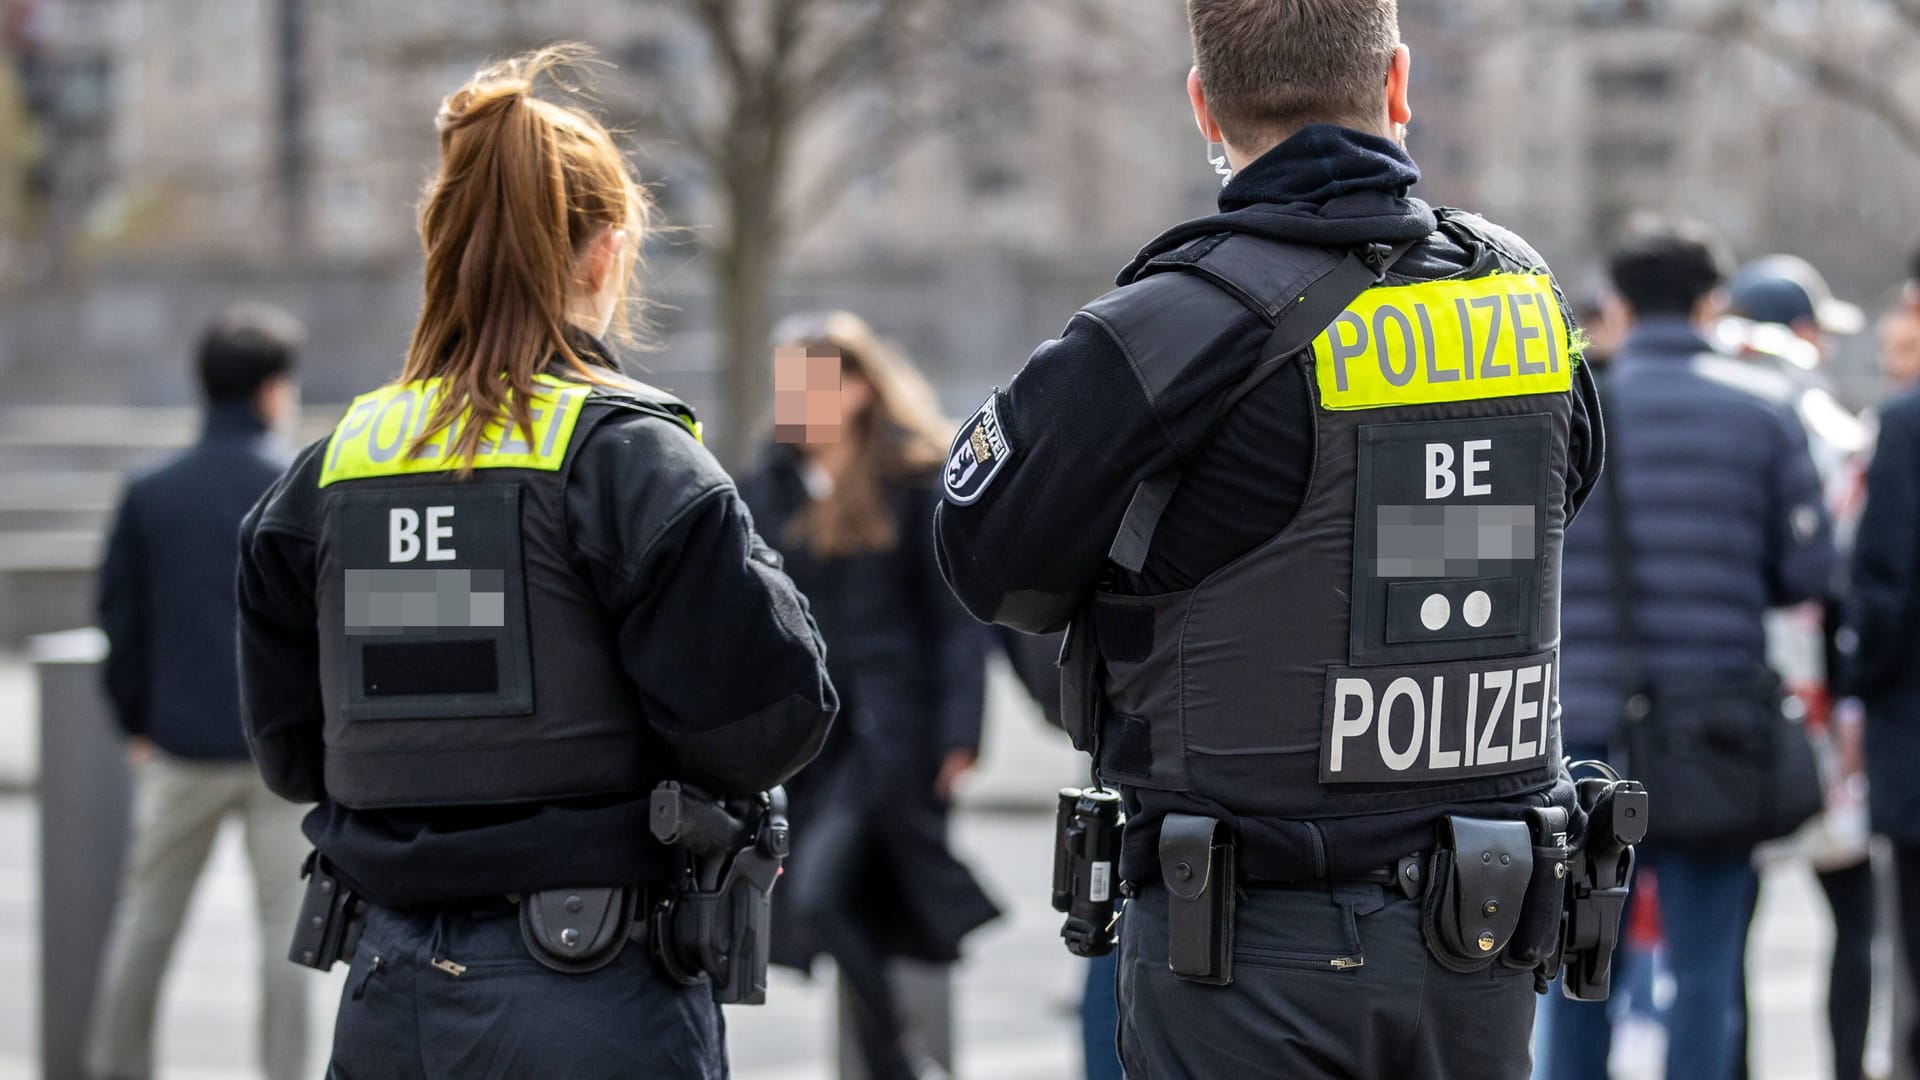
column 1086, row 853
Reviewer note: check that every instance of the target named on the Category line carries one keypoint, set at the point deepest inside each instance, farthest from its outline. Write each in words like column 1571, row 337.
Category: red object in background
column 1643, row 929
column 1815, row 699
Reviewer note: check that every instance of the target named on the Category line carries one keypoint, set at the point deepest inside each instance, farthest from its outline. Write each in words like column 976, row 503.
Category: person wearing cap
column 1783, row 317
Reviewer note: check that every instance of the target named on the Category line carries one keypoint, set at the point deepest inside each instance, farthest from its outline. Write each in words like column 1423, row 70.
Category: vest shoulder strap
column 1300, row 302
column 633, row 395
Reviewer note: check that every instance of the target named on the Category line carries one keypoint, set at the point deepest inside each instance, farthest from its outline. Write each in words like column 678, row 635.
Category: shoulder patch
column 979, row 452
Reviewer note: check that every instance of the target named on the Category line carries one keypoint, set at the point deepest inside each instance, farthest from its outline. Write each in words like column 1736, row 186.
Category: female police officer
column 508, row 595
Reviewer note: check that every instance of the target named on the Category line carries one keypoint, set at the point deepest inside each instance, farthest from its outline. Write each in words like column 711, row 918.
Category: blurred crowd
column 1750, row 526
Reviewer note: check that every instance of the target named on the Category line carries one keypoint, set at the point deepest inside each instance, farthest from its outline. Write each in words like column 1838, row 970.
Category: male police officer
column 1314, row 600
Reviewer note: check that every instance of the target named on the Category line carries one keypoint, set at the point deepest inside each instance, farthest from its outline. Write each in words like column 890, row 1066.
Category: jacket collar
column 1326, row 186
column 1662, row 337
column 228, row 421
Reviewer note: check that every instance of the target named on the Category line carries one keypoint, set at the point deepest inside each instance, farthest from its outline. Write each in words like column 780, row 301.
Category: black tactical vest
column 1395, row 645
column 464, row 659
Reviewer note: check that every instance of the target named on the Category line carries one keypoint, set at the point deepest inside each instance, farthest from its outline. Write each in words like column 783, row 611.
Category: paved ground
column 1014, row 995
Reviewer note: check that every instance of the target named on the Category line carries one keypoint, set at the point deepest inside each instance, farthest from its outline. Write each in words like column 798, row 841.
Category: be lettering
column 1442, row 477
column 403, row 534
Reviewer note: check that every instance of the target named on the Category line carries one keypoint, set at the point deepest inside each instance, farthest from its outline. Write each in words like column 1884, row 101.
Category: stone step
column 23, row 490
column 50, row 549
column 96, row 426
column 54, row 519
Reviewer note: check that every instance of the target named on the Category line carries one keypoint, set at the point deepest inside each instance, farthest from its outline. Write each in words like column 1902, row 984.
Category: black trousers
column 837, row 843
column 488, row 1011
column 1906, row 865
column 1850, row 977
column 1291, row 1014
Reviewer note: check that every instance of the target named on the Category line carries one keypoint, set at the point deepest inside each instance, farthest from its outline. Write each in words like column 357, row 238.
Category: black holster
column 1477, row 887
column 331, row 918
column 1198, row 866
column 715, row 927
column 1596, row 887
column 1083, row 699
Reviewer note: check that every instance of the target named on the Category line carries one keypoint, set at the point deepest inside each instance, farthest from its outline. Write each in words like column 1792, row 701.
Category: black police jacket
column 165, row 588
column 1024, row 541
column 728, row 679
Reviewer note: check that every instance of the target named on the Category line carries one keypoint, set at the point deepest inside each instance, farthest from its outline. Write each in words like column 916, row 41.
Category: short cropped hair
column 1664, row 267
column 1271, row 67
column 244, row 347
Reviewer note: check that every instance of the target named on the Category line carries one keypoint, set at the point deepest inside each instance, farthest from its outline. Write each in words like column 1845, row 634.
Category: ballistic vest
column 1395, row 645
column 464, row 659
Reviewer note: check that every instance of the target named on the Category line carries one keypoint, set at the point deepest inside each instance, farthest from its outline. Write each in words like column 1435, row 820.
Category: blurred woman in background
column 846, row 493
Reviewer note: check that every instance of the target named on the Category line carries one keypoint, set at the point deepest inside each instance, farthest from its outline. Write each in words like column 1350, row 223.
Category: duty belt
column 1408, row 875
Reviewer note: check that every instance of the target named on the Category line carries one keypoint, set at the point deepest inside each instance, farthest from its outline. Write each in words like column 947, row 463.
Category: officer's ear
column 1398, row 75
column 1202, row 115
column 601, row 259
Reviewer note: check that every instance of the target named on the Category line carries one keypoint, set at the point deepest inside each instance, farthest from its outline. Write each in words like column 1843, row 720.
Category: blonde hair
column 524, row 186
column 900, row 436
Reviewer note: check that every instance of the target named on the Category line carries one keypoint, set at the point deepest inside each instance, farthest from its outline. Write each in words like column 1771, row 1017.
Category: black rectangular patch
column 1449, row 538
column 402, row 668
column 1124, row 630
column 1437, row 722
column 434, row 589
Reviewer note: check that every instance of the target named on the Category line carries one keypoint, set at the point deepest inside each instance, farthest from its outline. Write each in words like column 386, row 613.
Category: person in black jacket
column 166, row 604
column 509, row 595
column 1298, row 485
column 1884, row 615
column 847, row 494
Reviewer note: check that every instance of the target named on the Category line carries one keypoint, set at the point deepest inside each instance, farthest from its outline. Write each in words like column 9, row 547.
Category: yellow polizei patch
column 375, row 435
column 1441, row 341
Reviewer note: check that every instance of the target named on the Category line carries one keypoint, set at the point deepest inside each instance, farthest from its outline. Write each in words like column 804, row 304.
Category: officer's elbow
column 1034, row 612
column 761, row 750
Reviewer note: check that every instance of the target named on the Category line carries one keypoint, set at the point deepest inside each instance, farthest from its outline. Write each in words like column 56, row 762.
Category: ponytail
column 524, row 186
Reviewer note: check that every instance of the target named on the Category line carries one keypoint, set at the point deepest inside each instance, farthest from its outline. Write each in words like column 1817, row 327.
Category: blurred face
column 278, row 403
column 815, row 396
column 1900, row 348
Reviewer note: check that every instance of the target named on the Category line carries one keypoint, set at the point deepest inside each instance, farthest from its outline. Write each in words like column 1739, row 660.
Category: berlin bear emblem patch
column 979, row 452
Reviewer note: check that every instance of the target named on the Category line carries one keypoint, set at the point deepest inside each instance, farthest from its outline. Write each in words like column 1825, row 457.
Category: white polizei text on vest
column 1407, row 719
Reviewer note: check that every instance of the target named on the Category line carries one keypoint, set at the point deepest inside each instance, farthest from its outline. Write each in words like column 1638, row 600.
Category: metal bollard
column 85, row 801
column 924, row 994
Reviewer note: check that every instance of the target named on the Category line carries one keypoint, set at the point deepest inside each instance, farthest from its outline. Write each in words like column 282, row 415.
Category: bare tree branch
column 721, row 34
column 1844, row 79
column 1908, row 10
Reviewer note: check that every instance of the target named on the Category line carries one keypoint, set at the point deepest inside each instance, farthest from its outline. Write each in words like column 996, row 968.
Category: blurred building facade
column 189, row 148
column 292, row 136
column 1561, row 117
column 159, row 158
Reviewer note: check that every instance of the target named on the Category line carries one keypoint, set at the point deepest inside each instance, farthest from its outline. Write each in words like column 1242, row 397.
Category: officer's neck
column 1239, row 157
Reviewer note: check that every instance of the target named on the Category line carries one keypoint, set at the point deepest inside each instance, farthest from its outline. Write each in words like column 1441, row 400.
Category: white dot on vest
column 1477, row 608
column 1435, row 611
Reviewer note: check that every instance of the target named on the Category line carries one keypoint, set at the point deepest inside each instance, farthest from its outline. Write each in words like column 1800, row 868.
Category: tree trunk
column 745, row 276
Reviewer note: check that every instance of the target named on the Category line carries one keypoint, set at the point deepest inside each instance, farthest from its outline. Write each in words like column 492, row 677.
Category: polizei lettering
column 1437, row 722
column 1442, row 341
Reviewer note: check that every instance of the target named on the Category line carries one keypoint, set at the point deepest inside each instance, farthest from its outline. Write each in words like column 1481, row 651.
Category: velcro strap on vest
column 1294, row 329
